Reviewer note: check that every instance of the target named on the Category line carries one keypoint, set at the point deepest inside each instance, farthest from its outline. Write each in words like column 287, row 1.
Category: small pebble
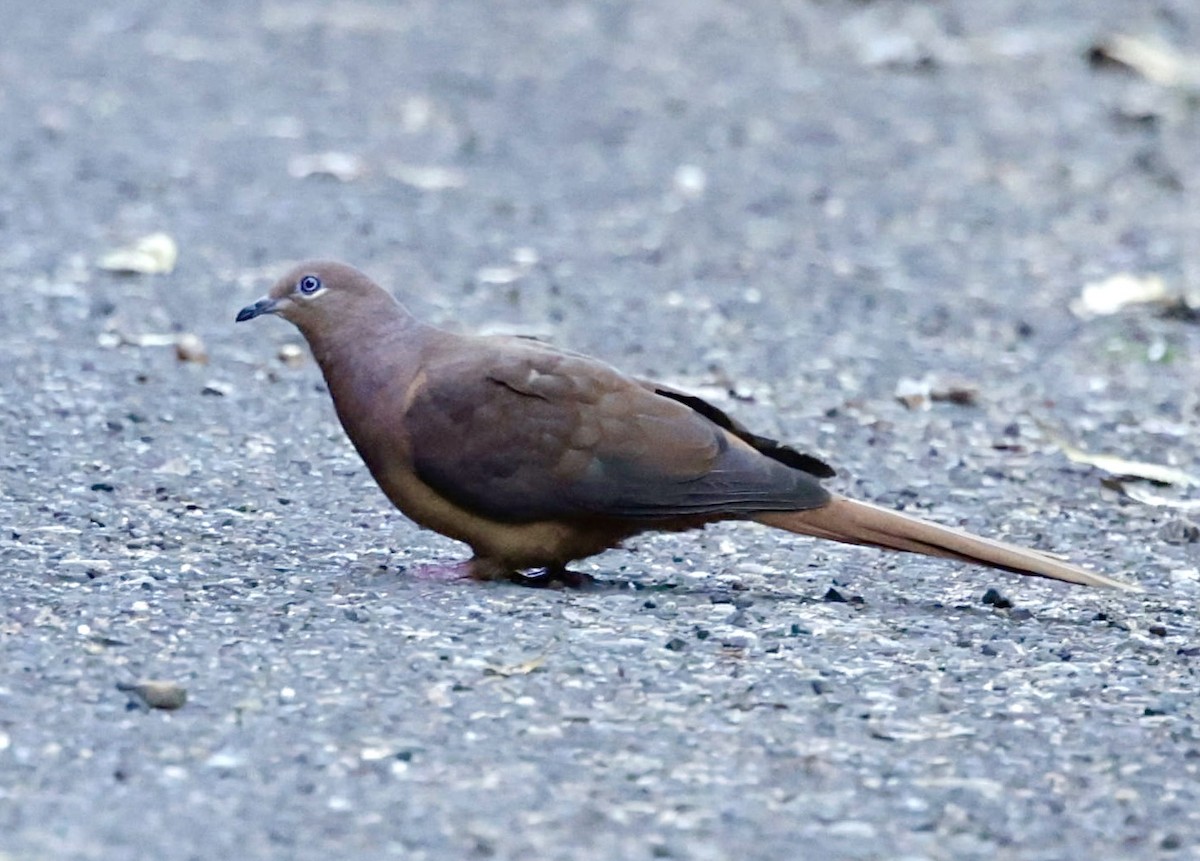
column 739, row 640
column 854, row 829
column 189, row 348
column 155, row 694
column 959, row 394
column 993, row 598
column 690, row 181
column 1180, row 531
column 291, row 355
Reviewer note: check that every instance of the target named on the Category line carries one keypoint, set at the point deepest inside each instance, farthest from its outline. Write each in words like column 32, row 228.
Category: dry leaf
column 342, row 166
column 150, row 339
column 438, row 695
column 914, row 394
column 175, row 466
column 1147, row 497
column 155, row 254
column 918, row 394
column 188, row 347
column 899, row 36
column 1101, row 298
column 1154, row 60
column 1120, row 467
column 498, row 275
column 522, row 669
column 428, row 178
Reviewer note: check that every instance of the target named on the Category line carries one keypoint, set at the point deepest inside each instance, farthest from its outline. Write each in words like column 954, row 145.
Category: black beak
column 265, row 305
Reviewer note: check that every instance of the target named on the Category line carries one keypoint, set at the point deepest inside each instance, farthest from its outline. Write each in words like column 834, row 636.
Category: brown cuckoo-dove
column 537, row 456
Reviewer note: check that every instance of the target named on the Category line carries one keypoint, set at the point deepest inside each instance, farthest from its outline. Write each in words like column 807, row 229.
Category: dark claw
column 545, row 578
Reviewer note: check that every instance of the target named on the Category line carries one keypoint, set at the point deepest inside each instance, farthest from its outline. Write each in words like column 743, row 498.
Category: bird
column 536, row 456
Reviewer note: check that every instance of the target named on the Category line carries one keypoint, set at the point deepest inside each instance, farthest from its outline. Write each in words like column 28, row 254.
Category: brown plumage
column 537, row 456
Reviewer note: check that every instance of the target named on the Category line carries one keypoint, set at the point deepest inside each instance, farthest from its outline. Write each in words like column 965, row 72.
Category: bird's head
column 317, row 294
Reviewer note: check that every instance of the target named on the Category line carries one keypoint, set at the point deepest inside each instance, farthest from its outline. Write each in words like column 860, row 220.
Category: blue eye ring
column 309, row 285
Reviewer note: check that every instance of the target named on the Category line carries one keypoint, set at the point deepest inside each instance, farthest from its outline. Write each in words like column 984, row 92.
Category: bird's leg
column 484, row 568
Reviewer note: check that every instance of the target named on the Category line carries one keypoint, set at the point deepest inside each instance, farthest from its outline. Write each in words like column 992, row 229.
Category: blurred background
column 952, row 247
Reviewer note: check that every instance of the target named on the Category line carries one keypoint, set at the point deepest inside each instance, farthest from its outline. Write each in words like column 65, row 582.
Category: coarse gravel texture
column 788, row 207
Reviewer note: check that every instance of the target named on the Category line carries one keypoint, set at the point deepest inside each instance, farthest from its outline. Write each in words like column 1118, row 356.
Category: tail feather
column 853, row 522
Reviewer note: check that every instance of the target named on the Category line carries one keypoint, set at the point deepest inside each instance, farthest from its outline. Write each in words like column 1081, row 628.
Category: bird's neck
column 361, row 356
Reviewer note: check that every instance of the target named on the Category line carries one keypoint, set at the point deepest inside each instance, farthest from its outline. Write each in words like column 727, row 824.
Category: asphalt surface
column 787, row 207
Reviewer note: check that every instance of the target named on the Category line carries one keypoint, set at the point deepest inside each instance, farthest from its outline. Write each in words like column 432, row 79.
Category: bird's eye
column 309, row 284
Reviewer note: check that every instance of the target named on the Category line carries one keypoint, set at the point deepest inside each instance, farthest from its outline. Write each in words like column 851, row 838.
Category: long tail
column 852, row 522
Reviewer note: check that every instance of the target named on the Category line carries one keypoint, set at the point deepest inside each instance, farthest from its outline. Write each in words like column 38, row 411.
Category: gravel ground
column 787, row 207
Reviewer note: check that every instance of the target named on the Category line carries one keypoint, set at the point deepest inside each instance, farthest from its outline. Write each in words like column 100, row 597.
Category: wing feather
column 522, row 432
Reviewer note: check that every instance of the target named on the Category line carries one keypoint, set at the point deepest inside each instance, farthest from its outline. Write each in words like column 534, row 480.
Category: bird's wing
column 522, row 432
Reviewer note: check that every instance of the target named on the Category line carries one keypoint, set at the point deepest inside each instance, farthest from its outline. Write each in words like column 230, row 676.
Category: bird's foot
column 539, row 578
column 545, row 578
column 489, row 569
